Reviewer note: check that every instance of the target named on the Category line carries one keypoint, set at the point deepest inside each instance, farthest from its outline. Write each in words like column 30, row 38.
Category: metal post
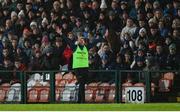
column 117, row 86
column 148, row 86
column 120, row 85
column 25, row 88
column 22, row 87
column 52, row 87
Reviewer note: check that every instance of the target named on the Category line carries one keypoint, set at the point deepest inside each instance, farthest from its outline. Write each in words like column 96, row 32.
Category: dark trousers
column 81, row 74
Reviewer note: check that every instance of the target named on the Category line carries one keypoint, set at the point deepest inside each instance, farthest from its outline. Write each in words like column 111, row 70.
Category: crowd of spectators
column 120, row 34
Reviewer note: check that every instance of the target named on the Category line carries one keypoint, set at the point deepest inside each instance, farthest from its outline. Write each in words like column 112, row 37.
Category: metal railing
column 116, row 77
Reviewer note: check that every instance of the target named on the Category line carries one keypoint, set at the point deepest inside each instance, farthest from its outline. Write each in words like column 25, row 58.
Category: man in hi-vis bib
column 80, row 65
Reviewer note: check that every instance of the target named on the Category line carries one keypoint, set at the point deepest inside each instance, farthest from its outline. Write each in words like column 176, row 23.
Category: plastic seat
column 169, row 76
column 4, row 88
column 153, row 86
column 111, row 95
column 90, row 92
column 44, row 95
column 139, row 84
column 33, row 95
column 58, row 76
column 102, row 92
column 59, row 89
column 165, row 85
column 2, row 95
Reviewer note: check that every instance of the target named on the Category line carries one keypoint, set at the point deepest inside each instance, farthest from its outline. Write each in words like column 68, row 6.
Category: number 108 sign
column 134, row 95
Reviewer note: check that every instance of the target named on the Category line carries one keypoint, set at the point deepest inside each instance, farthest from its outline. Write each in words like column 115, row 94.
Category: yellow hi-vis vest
column 80, row 58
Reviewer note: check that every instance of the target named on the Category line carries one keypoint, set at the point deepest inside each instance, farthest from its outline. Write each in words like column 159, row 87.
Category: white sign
column 134, row 94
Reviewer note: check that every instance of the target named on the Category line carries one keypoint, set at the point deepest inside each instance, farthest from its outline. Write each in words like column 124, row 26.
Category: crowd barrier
column 102, row 86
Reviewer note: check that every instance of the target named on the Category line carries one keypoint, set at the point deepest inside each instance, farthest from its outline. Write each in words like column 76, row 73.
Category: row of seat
column 94, row 92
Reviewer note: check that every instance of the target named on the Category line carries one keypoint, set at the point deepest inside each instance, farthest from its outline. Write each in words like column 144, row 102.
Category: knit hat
column 45, row 39
column 172, row 46
column 13, row 13
column 142, row 30
column 33, row 23
column 21, row 14
column 45, row 20
column 103, row 4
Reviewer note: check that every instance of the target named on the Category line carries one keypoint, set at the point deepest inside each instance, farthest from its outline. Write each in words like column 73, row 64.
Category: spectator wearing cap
column 172, row 58
column 82, row 7
column 88, row 20
column 150, row 65
column 95, row 10
column 14, row 17
column 115, row 8
column 124, row 6
column 163, row 29
column 45, row 43
column 138, row 63
column 176, row 23
column 7, row 65
column 178, row 12
column 19, row 66
column 155, row 34
column 176, row 39
column 6, row 53
column 36, row 61
column 168, row 41
column 99, row 30
column 119, row 64
column 44, row 25
column 57, row 8
column 137, row 6
column 26, row 35
column 79, row 27
column 48, row 61
column 94, row 59
column 158, row 14
column 28, row 49
column 176, row 4
column 114, row 22
column 8, row 27
column 125, row 48
column 142, row 37
column 127, row 57
column 20, row 54
column 58, row 50
column 160, row 56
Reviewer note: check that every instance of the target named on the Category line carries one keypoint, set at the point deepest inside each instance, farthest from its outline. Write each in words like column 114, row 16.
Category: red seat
column 102, row 92
column 58, row 76
column 33, row 95
column 139, row 84
column 90, row 92
column 169, row 76
column 44, row 95
column 153, row 86
column 59, row 89
column 111, row 95
column 4, row 88
column 165, row 85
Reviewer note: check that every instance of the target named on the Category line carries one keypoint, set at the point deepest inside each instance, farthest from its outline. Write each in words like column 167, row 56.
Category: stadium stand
column 40, row 35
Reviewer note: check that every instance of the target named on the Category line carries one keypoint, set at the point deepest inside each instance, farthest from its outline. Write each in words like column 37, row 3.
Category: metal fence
column 102, row 86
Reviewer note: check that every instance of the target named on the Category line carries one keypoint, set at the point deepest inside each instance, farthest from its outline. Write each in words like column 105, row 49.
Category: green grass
column 90, row 107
